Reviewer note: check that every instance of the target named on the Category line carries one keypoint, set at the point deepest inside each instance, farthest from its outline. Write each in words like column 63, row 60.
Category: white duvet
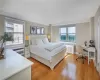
column 53, row 47
column 41, row 51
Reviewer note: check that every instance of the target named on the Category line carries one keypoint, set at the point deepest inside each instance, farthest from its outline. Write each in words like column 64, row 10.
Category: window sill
column 14, row 46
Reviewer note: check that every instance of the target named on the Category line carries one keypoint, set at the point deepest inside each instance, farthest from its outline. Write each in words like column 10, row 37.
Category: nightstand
column 27, row 53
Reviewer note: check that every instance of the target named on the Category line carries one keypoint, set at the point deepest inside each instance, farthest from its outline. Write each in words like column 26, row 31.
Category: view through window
column 16, row 30
column 68, row 34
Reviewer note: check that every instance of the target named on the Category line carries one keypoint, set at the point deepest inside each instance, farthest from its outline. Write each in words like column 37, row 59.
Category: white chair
column 80, row 52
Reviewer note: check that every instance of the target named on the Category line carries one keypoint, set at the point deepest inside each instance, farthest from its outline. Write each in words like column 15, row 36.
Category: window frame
column 67, row 34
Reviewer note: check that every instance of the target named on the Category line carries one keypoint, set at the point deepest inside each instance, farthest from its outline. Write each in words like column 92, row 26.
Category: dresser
column 15, row 67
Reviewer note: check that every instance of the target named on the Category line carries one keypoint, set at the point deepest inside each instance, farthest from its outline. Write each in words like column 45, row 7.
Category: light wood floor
column 67, row 69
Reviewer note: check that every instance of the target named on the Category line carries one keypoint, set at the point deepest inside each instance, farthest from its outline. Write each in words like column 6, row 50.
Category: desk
column 91, row 50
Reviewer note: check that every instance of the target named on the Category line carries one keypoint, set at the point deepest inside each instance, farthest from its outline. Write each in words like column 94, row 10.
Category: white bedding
column 42, row 52
column 54, row 46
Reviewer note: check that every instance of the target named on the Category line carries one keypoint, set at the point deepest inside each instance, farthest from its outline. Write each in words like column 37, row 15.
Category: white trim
column 98, row 45
column 14, row 46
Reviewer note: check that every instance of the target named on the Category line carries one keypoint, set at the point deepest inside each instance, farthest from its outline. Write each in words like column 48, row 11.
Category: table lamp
column 49, row 37
column 26, row 41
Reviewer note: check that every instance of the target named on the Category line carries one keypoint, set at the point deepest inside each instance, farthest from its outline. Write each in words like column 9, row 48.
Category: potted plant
column 4, row 38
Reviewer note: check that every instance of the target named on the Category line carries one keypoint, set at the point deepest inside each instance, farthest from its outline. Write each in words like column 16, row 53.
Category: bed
column 45, row 52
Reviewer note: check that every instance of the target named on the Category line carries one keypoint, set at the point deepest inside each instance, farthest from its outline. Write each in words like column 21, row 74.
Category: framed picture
column 38, row 30
column 42, row 30
column 32, row 30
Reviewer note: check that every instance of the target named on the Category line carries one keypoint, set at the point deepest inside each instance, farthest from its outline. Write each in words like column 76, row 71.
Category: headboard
column 36, row 37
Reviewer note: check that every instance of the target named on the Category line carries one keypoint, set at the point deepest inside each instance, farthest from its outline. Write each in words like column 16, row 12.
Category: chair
column 80, row 52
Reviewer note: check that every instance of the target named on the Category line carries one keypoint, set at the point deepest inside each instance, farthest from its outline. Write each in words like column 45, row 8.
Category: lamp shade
column 26, row 37
column 48, row 36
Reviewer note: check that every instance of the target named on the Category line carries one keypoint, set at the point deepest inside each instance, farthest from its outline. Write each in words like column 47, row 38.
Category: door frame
column 98, row 45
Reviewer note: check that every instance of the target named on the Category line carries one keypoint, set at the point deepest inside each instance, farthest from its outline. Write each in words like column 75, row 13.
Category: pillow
column 33, row 41
column 39, row 42
column 45, row 41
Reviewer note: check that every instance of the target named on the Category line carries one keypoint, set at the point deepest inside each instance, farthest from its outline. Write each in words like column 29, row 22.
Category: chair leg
column 78, row 58
column 82, row 60
column 88, row 61
column 82, row 57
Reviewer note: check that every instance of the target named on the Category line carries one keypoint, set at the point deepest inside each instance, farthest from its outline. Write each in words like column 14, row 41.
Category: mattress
column 40, row 50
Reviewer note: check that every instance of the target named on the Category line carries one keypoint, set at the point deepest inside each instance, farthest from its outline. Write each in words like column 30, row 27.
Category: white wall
column 28, row 24
column 55, row 34
column 96, row 37
column 27, row 29
column 96, row 26
column 92, row 28
column 82, row 33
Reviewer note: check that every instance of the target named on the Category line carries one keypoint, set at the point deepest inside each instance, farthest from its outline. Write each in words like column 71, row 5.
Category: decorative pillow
column 39, row 42
column 33, row 41
column 45, row 41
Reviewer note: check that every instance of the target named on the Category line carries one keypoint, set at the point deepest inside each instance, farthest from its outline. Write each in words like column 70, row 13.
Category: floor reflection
column 70, row 71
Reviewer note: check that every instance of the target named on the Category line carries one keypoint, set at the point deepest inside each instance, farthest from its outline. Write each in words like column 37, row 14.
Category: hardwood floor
column 67, row 69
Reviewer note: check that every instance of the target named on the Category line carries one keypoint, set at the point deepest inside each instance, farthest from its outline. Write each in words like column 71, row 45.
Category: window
column 71, row 34
column 16, row 29
column 63, row 34
column 68, row 34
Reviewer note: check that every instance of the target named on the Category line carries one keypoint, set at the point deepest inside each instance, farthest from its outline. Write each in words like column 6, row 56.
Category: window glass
column 18, row 28
column 15, row 29
column 62, row 30
column 71, row 30
column 63, row 37
column 68, row 34
column 71, row 37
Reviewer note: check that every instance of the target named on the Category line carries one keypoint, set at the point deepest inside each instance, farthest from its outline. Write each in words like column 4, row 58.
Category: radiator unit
column 70, row 49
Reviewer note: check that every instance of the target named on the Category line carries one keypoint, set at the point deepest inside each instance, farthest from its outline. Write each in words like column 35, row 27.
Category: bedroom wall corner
column 55, row 34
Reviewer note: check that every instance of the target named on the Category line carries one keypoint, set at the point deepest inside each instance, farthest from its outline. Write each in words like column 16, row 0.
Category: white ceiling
column 50, row 11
